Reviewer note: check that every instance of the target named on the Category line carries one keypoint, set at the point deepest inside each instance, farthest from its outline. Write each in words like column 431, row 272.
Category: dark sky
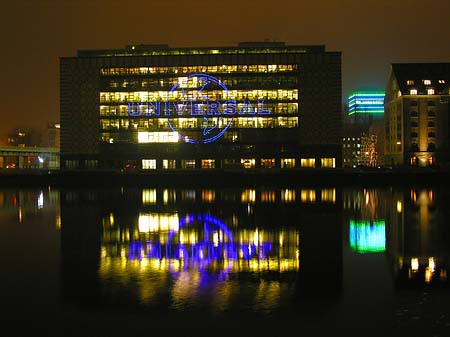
column 370, row 34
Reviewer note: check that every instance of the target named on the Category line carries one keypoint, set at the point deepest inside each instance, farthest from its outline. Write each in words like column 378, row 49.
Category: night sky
column 370, row 34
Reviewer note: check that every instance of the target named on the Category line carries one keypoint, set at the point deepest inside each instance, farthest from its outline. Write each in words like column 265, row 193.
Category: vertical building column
column 20, row 161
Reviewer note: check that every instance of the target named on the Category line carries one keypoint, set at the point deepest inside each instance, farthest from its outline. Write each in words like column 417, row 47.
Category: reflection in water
column 26, row 202
column 198, row 248
column 197, row 251
column 422, row 255
column 291, row 252
column 367, row 236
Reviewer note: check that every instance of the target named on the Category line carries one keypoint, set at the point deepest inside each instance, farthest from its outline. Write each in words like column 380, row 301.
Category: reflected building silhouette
column 409, row 224
column 420, row 237
column 180, row 248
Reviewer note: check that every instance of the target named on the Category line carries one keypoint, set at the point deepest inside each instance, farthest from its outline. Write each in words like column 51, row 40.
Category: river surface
column 262, row 261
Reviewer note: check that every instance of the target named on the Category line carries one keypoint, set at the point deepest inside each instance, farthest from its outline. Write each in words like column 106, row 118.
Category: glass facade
column 146, row 104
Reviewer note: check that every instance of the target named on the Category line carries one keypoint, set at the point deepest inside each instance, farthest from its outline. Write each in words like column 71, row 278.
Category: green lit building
column 366, row 106
column 152, row 107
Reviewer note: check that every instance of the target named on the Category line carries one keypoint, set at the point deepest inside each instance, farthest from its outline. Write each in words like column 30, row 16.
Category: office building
column 152, row 107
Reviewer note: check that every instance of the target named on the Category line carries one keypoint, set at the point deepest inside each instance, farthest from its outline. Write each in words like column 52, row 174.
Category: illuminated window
column 208, row 163
column 441, row 81
column 328, row 162
column 169, row 164
column 413, row 92
column 149, row 164
column 287, row 162
column 427, row 82
column 188, row 163
column 308, row 162
column 410, row 82
column 268, row 163
column 248, row 163
column 430, row 91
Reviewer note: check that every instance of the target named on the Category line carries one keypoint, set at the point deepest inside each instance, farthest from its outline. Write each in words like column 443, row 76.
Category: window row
column 198, row 95
column 230, row 82
column 197, row 123
column 261, row 68
column 430, row 134
column 430, row 124
column 153, row 109
column 246, row 163
column 151, row 196
column 426, row 82
column 416, row 114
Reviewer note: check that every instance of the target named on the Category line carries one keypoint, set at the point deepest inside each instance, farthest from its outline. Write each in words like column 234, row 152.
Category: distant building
column 361, row 139
column 53, row 135
column 351, row 149
column 417, row 114
column 23, row 137
column 366, row 106
column 258, row 105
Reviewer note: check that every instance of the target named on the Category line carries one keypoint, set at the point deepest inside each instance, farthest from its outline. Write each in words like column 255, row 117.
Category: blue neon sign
column 217, row 114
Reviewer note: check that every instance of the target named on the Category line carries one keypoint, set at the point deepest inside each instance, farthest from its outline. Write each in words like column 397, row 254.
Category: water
column 263, row 261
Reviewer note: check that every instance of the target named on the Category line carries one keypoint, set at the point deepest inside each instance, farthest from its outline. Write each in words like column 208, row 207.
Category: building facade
column 257, row 105
column 366, row 106
column 417, row 114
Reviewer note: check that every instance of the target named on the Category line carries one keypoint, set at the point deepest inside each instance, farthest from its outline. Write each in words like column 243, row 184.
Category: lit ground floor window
column 208, row 163
column 188, row 163
column 149, row 164
column 169, row 164
column 248, row 163
column 287, row 162
column 328, row 162
column 268, row 162
column 307, row 162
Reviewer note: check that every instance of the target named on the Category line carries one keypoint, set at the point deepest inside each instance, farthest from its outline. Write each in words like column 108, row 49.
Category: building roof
column 413, row 76
column 241, row 48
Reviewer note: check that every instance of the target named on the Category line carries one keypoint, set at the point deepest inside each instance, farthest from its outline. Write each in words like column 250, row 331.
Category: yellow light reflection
column 154, row 222
column 248, row 195
column 149, row 196
column 308, row 196
column 399, row 206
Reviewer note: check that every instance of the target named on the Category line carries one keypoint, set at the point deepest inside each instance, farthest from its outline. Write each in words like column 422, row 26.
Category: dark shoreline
column 228, row 178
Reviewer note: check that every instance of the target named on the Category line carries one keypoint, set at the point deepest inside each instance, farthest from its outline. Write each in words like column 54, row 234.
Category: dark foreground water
column 263, row 261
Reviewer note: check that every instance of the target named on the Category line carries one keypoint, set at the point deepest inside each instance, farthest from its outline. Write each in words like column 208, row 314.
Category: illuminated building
column 365, row 123
column 366, row 106
column 416, row 114
column 152, row 107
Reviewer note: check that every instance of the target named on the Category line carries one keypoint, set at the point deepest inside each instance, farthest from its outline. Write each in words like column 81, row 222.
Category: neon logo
column 217, row 114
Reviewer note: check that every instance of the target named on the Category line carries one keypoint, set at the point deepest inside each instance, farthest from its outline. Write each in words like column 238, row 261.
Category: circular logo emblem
column 204, row 98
